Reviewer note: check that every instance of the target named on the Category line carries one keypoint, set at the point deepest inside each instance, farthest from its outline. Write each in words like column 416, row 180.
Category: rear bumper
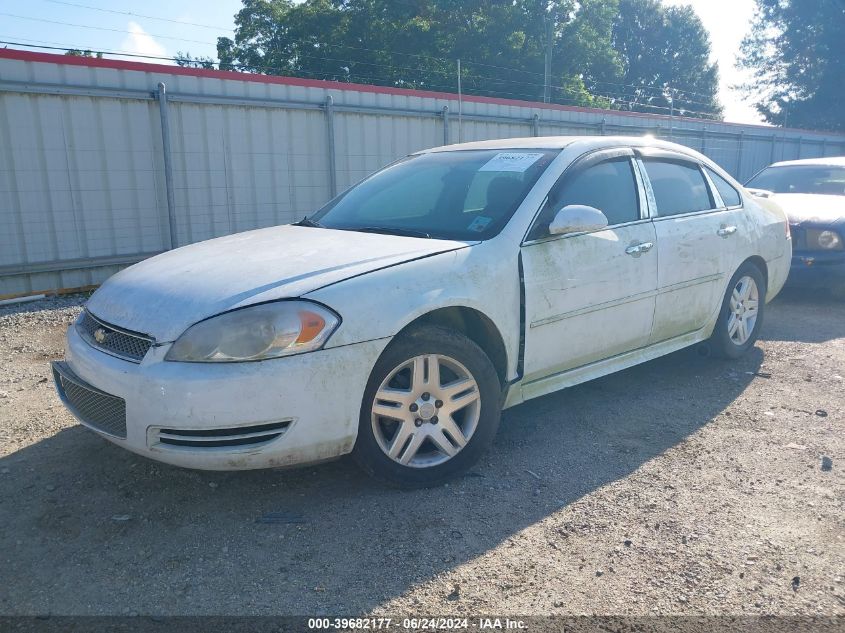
column 821, row 270
column 226, row 416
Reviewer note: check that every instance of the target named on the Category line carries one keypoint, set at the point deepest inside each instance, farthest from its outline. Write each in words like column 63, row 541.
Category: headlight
column 269, row 330
column 829, row 240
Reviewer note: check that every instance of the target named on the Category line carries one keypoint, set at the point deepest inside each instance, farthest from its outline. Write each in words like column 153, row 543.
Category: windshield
column 459, row 195
column 818, row 179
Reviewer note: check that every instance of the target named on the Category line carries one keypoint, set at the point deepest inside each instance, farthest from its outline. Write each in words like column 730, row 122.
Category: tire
column 421, row 432
column 736, row 332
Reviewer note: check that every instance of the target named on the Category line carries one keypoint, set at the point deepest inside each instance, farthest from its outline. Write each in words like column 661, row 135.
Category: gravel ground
column 686, row 485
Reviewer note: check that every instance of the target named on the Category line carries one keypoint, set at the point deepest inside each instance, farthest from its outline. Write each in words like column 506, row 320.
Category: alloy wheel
column 426, row 410
column 744, row 304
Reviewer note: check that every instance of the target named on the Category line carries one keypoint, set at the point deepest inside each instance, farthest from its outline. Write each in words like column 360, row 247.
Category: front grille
column 112, row 340
column 234, row 437
column 97, row 409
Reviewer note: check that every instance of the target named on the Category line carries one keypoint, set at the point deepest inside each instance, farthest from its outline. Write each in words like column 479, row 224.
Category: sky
column 158, row 28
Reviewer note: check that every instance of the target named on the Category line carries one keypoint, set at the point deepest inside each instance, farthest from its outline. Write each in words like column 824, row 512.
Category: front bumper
column 226, row 416
column 817, row 270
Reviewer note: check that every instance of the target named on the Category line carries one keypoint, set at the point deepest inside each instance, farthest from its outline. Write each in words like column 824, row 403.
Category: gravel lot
column 686, row 485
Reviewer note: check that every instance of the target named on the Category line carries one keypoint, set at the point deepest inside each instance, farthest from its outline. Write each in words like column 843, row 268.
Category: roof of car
column 828, row 161
column 559, row 142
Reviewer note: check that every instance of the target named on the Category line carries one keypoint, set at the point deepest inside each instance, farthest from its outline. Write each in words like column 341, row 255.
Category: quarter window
column 730, row 196
column 678, row 187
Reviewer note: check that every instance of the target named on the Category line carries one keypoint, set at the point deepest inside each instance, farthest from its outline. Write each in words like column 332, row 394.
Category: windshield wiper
column 391, row 231
column 306, row 222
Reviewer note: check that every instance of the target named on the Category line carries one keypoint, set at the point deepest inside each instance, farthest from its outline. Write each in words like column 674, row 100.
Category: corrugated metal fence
column 103, row 163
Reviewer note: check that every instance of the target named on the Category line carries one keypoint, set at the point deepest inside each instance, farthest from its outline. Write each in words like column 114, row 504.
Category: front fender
column 381, row 303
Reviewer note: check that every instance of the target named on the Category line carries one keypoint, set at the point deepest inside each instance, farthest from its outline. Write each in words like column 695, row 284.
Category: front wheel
column 430, row 409
column 741, row 316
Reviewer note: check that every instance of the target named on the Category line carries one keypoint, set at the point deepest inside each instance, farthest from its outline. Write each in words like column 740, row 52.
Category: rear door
column 698, row 236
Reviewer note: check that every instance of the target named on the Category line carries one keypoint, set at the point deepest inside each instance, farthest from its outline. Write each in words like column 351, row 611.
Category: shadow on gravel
column 90, row 528
column 796, row 315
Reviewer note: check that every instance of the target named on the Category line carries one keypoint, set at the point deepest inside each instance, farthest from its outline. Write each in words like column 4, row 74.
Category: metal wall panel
column 83, row 178
column 238, row 168
column 367, row 142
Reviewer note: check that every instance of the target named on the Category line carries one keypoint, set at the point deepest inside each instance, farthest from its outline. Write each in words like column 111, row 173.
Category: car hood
column 812, row 208
column 164, row 295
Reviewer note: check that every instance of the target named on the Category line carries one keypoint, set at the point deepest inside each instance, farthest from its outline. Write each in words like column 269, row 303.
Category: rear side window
column 678, row 187
column 730, row 196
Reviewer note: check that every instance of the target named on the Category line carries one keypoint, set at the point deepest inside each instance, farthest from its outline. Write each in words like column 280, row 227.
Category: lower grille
column 96, row 409
column 235, row 437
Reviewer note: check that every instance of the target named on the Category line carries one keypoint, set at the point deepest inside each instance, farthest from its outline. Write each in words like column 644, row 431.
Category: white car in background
column 812, row 193
column 399, row 320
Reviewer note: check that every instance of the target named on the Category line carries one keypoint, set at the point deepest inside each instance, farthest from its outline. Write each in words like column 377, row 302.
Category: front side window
column 609, row 187
column 818, row 179
column 730, row 196
column 678, row 187
column 459, row 195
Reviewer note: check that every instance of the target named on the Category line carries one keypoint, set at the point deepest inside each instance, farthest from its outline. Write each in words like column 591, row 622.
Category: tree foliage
column 665, row 54
column 187, row 61
column 501, row 45
column 75, row 52
column 796, row 50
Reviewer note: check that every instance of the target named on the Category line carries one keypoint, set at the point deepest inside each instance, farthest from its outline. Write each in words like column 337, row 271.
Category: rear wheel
column 430, row 410
column 742, row 313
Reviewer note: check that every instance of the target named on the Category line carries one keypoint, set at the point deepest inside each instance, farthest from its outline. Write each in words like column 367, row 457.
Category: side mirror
column 577, row 218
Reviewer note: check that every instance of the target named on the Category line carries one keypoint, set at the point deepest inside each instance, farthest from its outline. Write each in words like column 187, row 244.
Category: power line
column 350, row 77
column 656, row 88
column 59, row 46
column 140, row 15
column 65, row 47
column 100, row 28
column 660, row 90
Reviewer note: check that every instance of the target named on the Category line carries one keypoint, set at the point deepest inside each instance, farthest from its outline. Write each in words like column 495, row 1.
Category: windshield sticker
column 479, row 224
column 511, row 161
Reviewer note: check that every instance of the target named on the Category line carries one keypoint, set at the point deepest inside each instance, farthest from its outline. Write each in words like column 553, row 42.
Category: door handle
column 638, row 249
column 726, row 231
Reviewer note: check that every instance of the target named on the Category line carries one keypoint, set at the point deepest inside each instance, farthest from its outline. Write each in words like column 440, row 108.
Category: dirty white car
column 399, row 320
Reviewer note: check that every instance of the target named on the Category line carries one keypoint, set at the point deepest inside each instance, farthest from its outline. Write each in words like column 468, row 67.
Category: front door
column 589, row 296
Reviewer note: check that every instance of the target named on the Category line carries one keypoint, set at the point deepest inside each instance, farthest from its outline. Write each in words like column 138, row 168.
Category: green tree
column 665, row 56
column 415, row 44
column 796, row 50
column 75, row 52
column 187, row 61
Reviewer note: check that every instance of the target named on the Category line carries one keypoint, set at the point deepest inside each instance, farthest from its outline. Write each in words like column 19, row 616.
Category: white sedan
column 399, row 320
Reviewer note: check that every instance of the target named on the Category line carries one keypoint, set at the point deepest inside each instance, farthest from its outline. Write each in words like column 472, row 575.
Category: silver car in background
column 812, row 193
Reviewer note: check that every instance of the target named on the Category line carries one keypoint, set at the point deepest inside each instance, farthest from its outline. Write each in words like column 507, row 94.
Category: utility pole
column 671, row 111
column 460, row 103
column 547, row 88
